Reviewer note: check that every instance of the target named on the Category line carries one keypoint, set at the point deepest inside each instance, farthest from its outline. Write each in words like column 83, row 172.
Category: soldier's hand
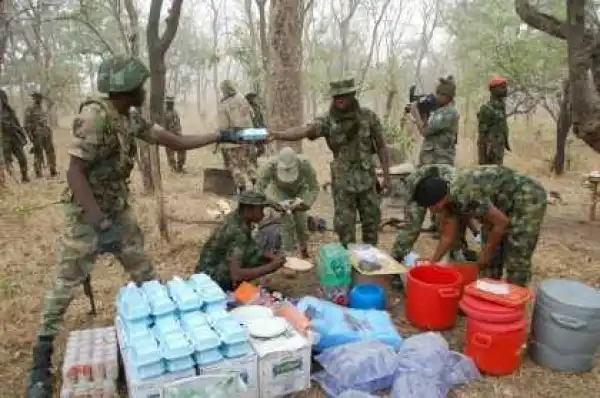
column 109, row 237
column 231, row 136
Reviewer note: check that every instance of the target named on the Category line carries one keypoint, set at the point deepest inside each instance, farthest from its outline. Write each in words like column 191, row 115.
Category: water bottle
column 254, row 135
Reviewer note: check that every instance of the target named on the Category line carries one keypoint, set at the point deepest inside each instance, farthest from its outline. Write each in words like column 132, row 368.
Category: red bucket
column 432, row 296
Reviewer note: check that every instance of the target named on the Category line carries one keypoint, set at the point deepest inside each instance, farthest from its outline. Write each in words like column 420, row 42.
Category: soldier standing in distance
column 492, row 139
column 40, row 134
column 176, row 159
column 258, row 120
column 13, row 138
column 235, row 112
column 96, row 200
column 353, row 134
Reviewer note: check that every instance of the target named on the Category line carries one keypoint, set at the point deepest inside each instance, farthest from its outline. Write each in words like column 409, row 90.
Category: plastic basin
column 432, row 296
column 367, row 297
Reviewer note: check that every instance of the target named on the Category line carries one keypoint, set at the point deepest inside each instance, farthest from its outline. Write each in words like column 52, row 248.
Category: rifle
column 425, row 103
column 87, row 290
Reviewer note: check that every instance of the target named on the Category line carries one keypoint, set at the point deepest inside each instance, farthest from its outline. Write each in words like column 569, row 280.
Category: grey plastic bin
column 565, row 332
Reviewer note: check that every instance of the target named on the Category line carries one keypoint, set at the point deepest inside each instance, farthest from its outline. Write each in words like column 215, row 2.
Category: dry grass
column 568, row 248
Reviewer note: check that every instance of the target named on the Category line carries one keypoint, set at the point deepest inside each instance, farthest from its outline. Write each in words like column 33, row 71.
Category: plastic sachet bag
column 359, row 362
column 333, row 387
column 355, row 394
column 426, row 353
column 417, row 385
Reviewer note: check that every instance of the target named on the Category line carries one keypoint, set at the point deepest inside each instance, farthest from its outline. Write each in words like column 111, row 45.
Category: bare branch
column 374, row 33
column 172, row 25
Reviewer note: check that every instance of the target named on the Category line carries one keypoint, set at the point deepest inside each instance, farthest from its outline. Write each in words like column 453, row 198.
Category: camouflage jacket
column 414, row 215
column 305, row 188
column 234, row 111
column 474, row 189
column 493, row 126
column 441, row 134
column 232, row 240
column 353, row 166
column 106, row 141
column 172, row 122
column 36, row 122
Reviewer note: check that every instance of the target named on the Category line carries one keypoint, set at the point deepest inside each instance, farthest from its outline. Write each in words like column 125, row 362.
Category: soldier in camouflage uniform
column 231, row 255
column 40, row 134
column 96, row 201
column 492, row 139
column 176, row 159
column 258, row 120
column 14, row 138
column 353, row 134
column 290, row 181
column 236, row 113
column 512, row 207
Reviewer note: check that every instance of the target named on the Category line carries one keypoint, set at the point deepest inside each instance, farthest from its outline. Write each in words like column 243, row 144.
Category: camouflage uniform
column 232, row 240
column 258, row 120
column 441, row 132
column 350, row 136
column 493, row 132
column 13, row 137
column 40, row 134
column 176, row 159
column 305, row 187
column 104, row 139
column 235, row 112
column 521, row 198
column 414, row 215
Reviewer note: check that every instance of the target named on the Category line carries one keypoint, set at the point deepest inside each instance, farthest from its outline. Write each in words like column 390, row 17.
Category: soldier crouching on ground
column 96, row 204
column 512, row 207
column 231, row 256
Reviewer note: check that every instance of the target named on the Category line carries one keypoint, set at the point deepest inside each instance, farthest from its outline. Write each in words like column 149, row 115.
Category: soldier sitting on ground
column 231, row 255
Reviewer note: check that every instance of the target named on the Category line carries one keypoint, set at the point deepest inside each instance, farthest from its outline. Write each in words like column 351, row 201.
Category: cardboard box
column 283, row 364
column 151, row 388
column 246, row 366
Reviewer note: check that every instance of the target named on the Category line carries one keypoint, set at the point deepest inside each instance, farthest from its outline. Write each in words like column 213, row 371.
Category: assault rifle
column 425, row 103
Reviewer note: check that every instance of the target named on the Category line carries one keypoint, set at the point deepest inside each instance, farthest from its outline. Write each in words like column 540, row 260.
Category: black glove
column 232, row 136
column 109, row 237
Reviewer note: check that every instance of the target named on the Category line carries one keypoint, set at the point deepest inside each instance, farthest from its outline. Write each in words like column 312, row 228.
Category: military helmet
column 121, row 74
column 252, row 198
column 342, row 87
column 227, row 87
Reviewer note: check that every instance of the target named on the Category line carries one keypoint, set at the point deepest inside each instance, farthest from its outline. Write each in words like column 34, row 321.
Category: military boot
column 24, row 177
column 41, row 380
column 53, row 173
column 241, row 189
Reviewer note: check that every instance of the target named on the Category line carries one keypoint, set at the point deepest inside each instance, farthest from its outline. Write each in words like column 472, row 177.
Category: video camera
column 425, row 103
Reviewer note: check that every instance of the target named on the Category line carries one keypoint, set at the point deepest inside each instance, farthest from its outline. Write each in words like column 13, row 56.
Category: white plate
column 267, row 328
column 298, row 264
column 248, row 313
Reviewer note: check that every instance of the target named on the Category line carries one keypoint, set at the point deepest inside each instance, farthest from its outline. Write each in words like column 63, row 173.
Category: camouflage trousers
column 521, row 237
column 294, row 226
column 176, row 159
column 346, row 205
column 77, row 252
column 489, row 153
column 11, row 147
column 239, row 161
column 43, row 145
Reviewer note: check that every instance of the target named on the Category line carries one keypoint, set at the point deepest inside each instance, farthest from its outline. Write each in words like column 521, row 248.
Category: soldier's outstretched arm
column 183, row 142
column 293, row 133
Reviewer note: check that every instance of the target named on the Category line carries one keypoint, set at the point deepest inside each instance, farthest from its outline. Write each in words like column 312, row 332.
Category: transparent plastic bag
column 355, row 394
column 359, row 362
column 333, row 387
column 427, row 368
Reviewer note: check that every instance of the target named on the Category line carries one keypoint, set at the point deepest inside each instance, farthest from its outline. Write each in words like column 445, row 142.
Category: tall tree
column 284, row 84
column 157, row 48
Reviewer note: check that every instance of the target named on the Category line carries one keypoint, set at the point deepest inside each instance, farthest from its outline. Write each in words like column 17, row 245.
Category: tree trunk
column 284, row 85
column 563, row 125
column 157, row 47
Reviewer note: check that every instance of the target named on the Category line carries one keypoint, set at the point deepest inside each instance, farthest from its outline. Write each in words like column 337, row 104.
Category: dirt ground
column 30, row 225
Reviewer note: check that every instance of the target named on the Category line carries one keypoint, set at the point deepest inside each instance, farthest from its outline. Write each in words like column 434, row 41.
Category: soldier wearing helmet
column 492, row 139
column 96, row 201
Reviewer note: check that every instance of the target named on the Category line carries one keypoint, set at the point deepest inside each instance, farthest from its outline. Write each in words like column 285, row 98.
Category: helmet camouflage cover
column 121, row 74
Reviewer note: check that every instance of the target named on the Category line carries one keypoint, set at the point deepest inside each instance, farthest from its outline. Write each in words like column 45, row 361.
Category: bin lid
column 488, row 311
column 571, row 293
column 498, row 292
